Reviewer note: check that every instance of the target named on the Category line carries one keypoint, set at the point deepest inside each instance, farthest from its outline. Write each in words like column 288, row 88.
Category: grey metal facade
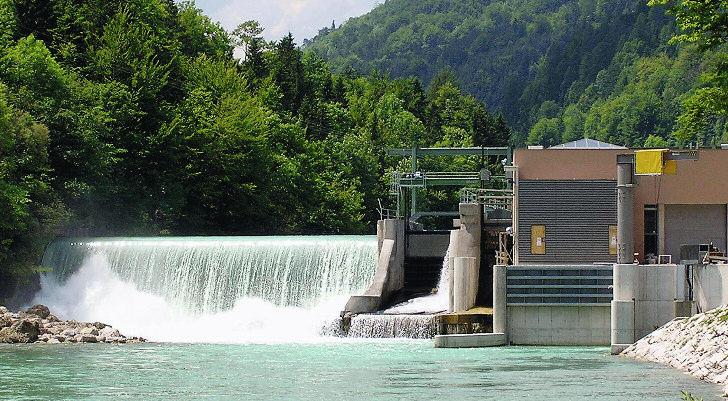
column 535, row 285
column 577, row 215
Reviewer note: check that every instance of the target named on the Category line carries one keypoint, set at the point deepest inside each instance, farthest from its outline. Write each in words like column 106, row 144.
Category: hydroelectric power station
column 582, row 244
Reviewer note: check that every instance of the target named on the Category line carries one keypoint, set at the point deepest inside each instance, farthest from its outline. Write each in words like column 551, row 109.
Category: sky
column 303, row 18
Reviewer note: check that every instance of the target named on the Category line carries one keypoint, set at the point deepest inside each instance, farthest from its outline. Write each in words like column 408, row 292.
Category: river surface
column 333, row 370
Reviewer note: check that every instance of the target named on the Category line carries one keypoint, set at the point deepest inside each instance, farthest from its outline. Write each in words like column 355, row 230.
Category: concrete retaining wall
column 389, row 276
column 710, row 286
column 558, row 325
column 427, row 245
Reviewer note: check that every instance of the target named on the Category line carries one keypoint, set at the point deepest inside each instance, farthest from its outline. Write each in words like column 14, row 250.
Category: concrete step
column 482, row 340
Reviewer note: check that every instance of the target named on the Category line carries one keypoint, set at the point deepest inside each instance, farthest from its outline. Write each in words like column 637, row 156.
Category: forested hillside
column 558, row 69
column 131, row 117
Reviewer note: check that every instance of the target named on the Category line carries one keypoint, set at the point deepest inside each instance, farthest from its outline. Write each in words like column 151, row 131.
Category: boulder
column 23, row 331
column 109, row 332
column 3, row 310
column 69, row 333
column 100, row 325
column 85, row 338
column 41, row 311
column 89, row 331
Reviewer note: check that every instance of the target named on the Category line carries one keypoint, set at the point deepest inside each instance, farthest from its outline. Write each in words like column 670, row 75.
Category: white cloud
column 303, row 18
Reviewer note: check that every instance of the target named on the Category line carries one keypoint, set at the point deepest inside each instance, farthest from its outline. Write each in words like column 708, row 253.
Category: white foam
column 434, row 303
column 96, row 293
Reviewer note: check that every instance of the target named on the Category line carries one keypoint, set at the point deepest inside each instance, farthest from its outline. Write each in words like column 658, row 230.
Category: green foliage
column 131, row 117
column 705, row 116
column 689, row 397
column 31, row 210
column 656, row 142
column 558, row 70
column 7, row 23
column 700, row 21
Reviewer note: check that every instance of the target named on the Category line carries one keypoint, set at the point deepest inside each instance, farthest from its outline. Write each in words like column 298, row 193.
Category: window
column 651, row 231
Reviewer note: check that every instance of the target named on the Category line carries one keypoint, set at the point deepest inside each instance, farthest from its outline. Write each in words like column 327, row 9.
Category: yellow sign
column 670, row 167
column 654, row 162
column 612, row 240
column 538, row 240
column 650, row 162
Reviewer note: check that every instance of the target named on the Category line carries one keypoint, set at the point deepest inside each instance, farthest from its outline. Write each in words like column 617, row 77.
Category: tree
column 704, row 23
column 546, row 132
column 31, row 210
column 700, row 21
column 254, row 64
column 656, row 142
column 288, row 73
column 8, row 23
column 246, row 33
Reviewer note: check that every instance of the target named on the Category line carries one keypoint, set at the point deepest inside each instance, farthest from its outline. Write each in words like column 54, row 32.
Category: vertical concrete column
column 626, row 289
column 625, row 213
column 470, row 230
column 454, row 236
column 393, row 229
column 500, row 302
column 466, row 283
column 623, row 330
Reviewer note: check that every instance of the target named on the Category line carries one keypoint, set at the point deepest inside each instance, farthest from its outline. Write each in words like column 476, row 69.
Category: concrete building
column 596, row 254
column 566, row 287
column 572, row 194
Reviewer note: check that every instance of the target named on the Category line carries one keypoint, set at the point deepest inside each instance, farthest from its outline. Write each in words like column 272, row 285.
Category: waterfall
column 415, row 319
column 208, row 289
column 393, row 326
column 434, row 303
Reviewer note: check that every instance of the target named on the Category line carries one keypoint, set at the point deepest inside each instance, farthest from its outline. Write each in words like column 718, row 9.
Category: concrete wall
column 558, row 325
column 693, row 224
column 710, row 286
column 427, row 245
column 656, row 305
column 645, row 299
column 389, row 276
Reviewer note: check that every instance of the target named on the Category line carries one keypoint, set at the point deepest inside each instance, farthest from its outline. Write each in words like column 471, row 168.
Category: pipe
column 625, row 213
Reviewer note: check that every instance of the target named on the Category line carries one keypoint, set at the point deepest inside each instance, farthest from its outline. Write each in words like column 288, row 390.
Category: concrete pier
column 465, row 258
column 626, row 292
column 389, row 276
column 465, row 283
column 500, row 300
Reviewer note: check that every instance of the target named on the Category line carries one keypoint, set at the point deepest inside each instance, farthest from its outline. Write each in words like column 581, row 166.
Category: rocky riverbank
column 39, row 325
column 697, row 346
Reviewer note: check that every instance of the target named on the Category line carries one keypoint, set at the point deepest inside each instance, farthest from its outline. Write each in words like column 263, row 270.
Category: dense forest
column 131, row 117
column 558, row 70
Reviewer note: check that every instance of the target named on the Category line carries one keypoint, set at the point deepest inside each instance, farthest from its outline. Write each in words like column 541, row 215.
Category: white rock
column 92, row 331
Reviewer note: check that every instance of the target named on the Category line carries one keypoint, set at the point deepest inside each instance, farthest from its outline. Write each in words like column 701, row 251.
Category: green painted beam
column 451, row 152
column 439, row 182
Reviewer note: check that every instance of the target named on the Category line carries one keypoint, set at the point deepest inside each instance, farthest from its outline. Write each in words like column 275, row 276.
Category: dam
column 168, row 289
column 531, row 256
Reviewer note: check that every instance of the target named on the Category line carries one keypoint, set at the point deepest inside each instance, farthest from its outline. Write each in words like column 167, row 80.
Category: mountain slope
column 529, row 59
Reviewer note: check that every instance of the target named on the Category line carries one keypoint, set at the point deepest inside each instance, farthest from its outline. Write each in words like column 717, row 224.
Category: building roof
column 587, row 143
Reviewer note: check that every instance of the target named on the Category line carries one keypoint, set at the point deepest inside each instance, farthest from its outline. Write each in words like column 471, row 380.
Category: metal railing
column 494, row 198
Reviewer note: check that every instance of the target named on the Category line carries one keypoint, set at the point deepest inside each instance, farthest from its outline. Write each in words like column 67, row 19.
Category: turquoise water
column 390, row 370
